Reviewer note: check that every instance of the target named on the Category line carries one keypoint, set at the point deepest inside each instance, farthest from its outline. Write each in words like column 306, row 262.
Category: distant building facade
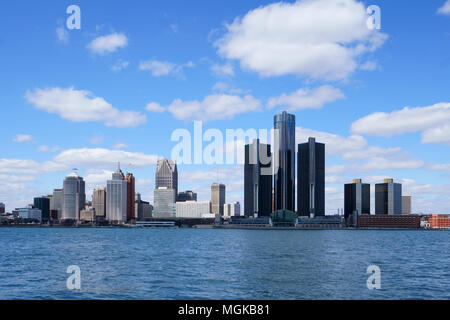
column 144, row 210
column 166, row 175
column 74, row 197
column 187, row 195
column 193, row 209
column 57, row 202
column 164, row 199
column 406, row 204
column 258, row 180
column 356, row 198
column 217, row 198
column 99, row 202
column 131, row 190
column 43, row 203
column 29, row 213
column 232, row 209
column 311, row 179
column 388, row 198
column 2, row 208
column 116, row 198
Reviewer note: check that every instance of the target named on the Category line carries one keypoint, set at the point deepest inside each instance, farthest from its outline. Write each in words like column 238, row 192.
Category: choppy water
column 223, row 264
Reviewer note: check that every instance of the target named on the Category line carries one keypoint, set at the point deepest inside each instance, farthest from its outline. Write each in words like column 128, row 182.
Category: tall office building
column 406, row 204
column 166, row 175
column 43, row 203
column 164, row 199
column 186, row 196
column 388, row 197
column 57, row 202
column 257, row 180
column 116, row 198
column 74, row 197
column 99, row 202
column 144, row 210
column 131, row 190
column 284, row 161
column 311, row 179
column 356, row 198
column 217, row 198
column 232, row 209
column 2, row 208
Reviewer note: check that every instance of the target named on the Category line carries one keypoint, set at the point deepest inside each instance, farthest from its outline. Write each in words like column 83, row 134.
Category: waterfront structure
column 43, row 203
column 356, row 199
column 166, row 175
column 258, row 180
column 29, row 213
column 384, row 221
column 439, row 221
column 388, row 197
column 116, row 198
column 87, row 215
column 57, row 202
column 406, row 204
column 2, row 208
column 232, row 209
column 284, row 161
column 164, row 199
column 194, row 209
column 131, row 190
column 217, row 198
column 320, row 222
column 74, row 197
column 99, row 202
column 311, row 179
column 144, row 210
column 187, row 195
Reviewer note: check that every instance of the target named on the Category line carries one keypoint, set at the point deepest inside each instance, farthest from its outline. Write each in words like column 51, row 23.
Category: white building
column 29, row 213
column 74, row 197
column 116, row 198
column 231, row 209
column 194, row 209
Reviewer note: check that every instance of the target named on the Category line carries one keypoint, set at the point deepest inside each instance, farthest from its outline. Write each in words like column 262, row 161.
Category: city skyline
column 356, row 106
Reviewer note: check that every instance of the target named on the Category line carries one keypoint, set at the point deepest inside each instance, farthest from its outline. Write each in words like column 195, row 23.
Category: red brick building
column 131, row 185
column 439, row 221
column 389, row 221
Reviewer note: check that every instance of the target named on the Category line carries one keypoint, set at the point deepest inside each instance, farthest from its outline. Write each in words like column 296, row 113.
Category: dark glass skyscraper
column 257, row 180
column 356, row 198
column 284, row 161
column 311, row 179
column 43, row 203
column 388, row 197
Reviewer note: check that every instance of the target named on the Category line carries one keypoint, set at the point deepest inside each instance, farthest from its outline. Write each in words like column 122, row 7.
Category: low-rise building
column 231, row 210
column 29, row 213
column 193, row 209
column 439, row 221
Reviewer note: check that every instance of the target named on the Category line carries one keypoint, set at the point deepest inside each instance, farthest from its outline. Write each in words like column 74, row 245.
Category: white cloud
column 119, row 145
column 213, row 107
column 154, row 107
column 433, row 121
column 104, row 158
column 163, row 68
column 22, row 138
column 223, row 70
column 62, row 34
column 440, row 167
column 82, row 106
column 120, row 65
column 23, row 166
column 48, row 149
column 324, row 39
column 108, row 43
column 306, row 98
column 445, row 9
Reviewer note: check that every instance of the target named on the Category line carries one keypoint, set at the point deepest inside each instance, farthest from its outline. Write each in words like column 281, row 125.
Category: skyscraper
column 164, row 199
column 57, row 202
column 116, row 198
column 74, row 197
column 217, row 198
column 99, row 202
column 43, row 203
column 311, row 179
column 166, row 175
column 357, row 198
column 388, row 197
column 2, row 208
column 257, row 180
column 406, row 204
column 131, row 185
column 187, row 196
column 284, row 161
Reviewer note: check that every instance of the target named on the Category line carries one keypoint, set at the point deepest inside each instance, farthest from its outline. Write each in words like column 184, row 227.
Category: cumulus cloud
column 22, row 138
column 25, row 166
column 48, row 149
column 223, row 70
column 107, row 44
column 82, row 106
column 212, row 107
column 445, row 9
column 154, row 107
column 433, row 121
column 62, row 34
column 163, row 68
column 119, row 145
column 324, row 39
column 306, row 98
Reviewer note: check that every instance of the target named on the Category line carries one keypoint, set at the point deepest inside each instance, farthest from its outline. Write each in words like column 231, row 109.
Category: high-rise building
column 116, row 198
column 57, row 202
column 43, row 203
column 166, row 175
column 356, row 198
column 217, row 198
column 144, row 210
column 131, row 185
column 258, row 180
column 186, row 196
column 284, row 161
column 388, row 197
column 311, row 179
column 406, row 204
column 74, row 197
column 232, row 209
column 99, row 202
column 164, row 199
column 2, row 208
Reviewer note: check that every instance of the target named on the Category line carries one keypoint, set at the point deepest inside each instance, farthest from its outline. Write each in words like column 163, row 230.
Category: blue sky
column 108, row 92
